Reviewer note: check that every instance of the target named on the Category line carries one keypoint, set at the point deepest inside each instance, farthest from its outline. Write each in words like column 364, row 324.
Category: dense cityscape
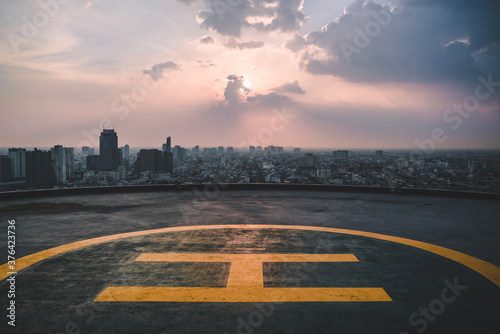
column 65, row 167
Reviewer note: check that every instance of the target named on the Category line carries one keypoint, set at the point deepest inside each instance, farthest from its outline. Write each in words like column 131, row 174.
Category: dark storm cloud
column 228, row 17
column 156, row 72
column 412, row 41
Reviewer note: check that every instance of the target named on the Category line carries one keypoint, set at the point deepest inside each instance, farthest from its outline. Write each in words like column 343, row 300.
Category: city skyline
column 313, row 74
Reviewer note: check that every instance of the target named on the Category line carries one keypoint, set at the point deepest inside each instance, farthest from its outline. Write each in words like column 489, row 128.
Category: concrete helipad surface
column 251, row 262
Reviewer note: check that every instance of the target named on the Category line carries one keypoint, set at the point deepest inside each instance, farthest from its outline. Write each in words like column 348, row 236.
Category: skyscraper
column 17, row 162
column 220, row 151
column 5, row 169
column 149, row 161
column 167, row 147
column 168, row 162
column 108, row 150
column 39, row 170
column 63, row 162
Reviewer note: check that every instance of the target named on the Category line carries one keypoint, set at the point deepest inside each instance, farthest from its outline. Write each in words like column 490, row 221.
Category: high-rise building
column 230, row 150
column 180, row 154
column 108, row 150
column 280, row 150
column 169, row 144
column 39, row 170
column 167, row 147
column 379, row 153
column 252, row 149
column 297, row 150
column 63, row 163
column 168, row 162
column 149, row 161
column 5, row 169
column 17, row 163
column 125, row 151
column 220, row 151
column 196, row 150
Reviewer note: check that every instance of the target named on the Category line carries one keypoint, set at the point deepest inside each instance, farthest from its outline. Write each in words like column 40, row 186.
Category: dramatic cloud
column 291, row 87
column 236, row 95
column 156, row 72
column 207, row 40
column 235, row 92
column 415, row 41
column 228, row 18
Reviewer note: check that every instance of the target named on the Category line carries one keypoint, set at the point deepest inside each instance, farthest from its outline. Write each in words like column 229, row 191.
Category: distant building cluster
column 113, row 165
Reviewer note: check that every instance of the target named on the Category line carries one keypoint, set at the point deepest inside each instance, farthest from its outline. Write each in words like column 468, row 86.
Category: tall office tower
column 339, row 154
column 149, row 161
column 39, row 170
column 309, row 159
column 297, row 150
column 259, row 149
column 125, row 155
column 379, row 153
column 196, row 150
column 17, row 163
column 180, row 154
column 230, row 150
column 223, row 160
column 108, row 150
column 125, row 152
column 280, row 149
column 220, row 151
column 167, row 147
column 252, row 149
column 63, row 163
column 168, row 162
column 5, row 169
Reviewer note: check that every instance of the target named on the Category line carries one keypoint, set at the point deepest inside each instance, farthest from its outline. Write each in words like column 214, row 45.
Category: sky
column 415, row 74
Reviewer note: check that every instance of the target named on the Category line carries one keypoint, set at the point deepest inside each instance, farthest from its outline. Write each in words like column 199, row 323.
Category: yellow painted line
column 484, row 268
column 238, row 294
column 217, row 257
column 246, row 269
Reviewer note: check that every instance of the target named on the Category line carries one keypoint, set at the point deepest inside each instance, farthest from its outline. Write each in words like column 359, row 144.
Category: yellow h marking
column 245, row 282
